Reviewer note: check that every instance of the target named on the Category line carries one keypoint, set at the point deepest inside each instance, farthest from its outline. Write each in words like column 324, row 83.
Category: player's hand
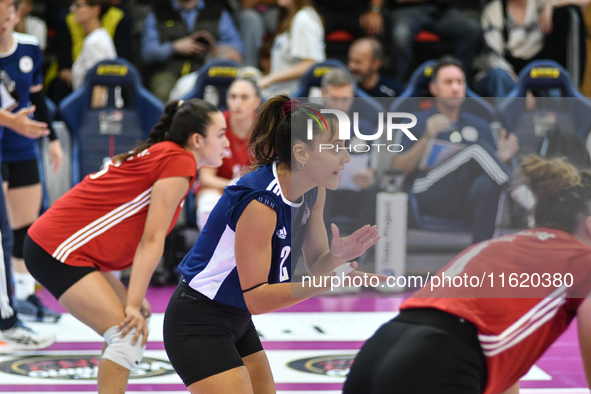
column 364, row 179
column 24, row 125
column 146, row 309
column 507, row 146
column 55, row 155
column 134, row 318
column 354, row 245
column 372, row 22
column 436, row 124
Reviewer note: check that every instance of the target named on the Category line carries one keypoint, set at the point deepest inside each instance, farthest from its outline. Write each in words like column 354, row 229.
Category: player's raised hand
column 348, row 248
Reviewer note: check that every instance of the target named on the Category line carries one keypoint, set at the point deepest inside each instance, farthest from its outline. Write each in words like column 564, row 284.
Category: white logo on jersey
column 26, row 64
column 306, row 215
column 282, row 233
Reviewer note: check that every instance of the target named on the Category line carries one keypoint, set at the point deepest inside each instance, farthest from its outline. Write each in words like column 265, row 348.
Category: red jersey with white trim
column 516, row 324
column 99, row 223
column 236, row 157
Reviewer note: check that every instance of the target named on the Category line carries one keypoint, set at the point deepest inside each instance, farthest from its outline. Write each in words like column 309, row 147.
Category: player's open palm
column 354, row 245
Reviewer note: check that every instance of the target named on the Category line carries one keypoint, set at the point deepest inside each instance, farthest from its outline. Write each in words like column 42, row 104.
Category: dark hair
column 563, row 194
column 103, row 4
column 179, row 121
column 274, row 133
column 445, row 61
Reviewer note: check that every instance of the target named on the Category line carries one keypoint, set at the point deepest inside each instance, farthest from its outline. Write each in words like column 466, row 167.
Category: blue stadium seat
column 556, row 99
column 217, row 73
column 366, row 106
column 418, row 86
column 124, row 116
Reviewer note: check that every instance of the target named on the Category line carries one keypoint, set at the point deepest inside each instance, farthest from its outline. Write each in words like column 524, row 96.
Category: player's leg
column 256, row 362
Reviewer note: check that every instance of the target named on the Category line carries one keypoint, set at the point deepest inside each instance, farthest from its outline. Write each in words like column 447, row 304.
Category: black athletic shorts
column 421, row 351
column 203, row 337
column 20, row 173
column 54, row 275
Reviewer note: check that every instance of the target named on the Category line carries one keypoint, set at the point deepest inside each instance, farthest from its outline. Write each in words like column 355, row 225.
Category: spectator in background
column 30, row 24
column 98, row 44
column 355, row 196
column 70, row 38
column 255, row 19
column 468, row 185
column 439, row 17
column 526, row 30
column 180, row 35
column 365, row 61
column 299, row 44
column 243, row 99
column 358, row 17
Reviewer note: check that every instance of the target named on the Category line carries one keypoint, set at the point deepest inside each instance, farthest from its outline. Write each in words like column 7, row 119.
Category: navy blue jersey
column 23, row 64
column 210, row 266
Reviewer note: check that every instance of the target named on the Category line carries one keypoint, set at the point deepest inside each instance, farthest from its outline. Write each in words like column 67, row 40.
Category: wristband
column 344, row 269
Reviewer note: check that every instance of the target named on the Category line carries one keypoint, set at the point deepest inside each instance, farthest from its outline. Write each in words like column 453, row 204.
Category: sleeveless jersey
column 210, row 266
column 99, row 223
column 23, row 64
column 517, row 321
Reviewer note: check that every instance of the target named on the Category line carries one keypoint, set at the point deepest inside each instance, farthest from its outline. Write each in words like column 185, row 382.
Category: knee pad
column 205, row 205
column 19, row 240
column 121, row 351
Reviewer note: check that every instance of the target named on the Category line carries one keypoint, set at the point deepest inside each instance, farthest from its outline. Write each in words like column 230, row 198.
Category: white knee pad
column 205, row 205
column 121, row 351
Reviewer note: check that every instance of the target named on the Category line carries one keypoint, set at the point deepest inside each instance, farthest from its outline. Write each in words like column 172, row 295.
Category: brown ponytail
column 180, row 120
column 275, row 132
column 563, row 194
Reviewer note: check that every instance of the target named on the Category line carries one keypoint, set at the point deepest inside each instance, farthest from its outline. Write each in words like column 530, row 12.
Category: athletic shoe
column 20, row 338
column 33, row 309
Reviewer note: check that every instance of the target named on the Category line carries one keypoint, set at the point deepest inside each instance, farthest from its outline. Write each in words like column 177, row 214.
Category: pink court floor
column 310, row 347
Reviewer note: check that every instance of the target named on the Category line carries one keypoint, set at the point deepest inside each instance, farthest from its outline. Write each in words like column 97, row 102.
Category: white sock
column 24, row 285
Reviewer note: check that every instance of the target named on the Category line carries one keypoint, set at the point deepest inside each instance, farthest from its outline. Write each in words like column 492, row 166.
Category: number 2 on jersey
column 283, row 273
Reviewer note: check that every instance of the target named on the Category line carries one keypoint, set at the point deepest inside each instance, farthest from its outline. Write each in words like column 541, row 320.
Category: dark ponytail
column 563, row 194
column 180, row 120
column 277, row 129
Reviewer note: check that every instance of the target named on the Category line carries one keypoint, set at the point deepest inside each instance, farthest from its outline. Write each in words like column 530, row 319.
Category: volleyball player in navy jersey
column 241, row 262
column 21, row 74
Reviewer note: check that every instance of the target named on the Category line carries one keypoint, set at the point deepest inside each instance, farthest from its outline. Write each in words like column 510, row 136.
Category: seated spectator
column 180, row 35
column 359, row 17
column 519, row 34
column 356, row 199
column 243, row 99
column 30, row 24
column 255, row 19
column 411, row 16
column 469, row 184
column 365, row 61
column 70, row 37
column 299, row 44
column 98, row 44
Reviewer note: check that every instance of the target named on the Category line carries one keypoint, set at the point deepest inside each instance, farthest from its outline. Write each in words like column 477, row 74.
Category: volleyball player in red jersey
column 118, row 218
column 445, row 340
column 243, row 99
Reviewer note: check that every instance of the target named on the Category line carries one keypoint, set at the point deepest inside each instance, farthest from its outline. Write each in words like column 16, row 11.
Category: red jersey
column 100, row 221
column 236, row 157
column 516, row 324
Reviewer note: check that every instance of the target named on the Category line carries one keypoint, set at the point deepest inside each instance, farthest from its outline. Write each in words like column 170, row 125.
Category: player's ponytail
column 282, row 122
column 563, row 194
column 180, row 120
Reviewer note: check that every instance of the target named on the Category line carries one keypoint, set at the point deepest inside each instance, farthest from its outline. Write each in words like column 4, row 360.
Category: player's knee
column 120, row 350
column 484, row 188
column 19, row 240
